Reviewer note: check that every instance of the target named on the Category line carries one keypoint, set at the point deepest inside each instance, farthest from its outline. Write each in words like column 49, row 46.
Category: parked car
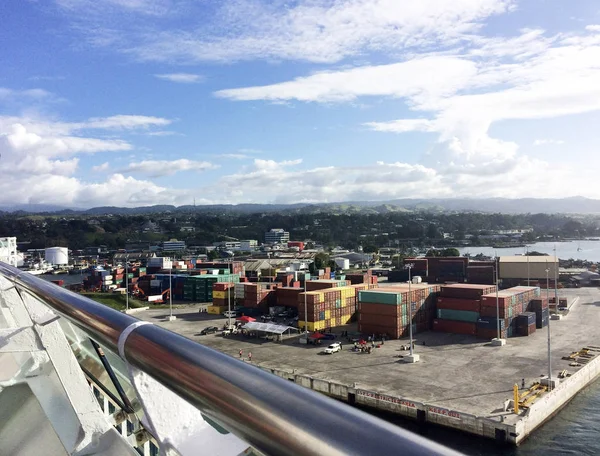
column 209, row 330
column 230, row 313
column 335, row 347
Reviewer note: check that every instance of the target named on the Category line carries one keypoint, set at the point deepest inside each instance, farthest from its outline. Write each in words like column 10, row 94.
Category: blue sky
column 138, row 102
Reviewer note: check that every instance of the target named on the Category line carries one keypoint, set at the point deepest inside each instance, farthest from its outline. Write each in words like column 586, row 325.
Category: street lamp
column 527, row 253
column 126, row 285
column 412, row 358
column 498, row 341
column 171, row 317
column 548, row 299
column 305, row 309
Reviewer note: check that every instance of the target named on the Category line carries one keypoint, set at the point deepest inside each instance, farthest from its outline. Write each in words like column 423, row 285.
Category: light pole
column 498, row 341
column 548, row 299
column 556, row 266
column 126, row 287
column 229, row 307
column 305, row 308
column 412, row 358
column 171, row 316
column 527, row 253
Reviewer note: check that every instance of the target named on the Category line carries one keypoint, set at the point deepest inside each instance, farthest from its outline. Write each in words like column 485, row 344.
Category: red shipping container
column 471, row 305
column 454, row 327
column 379, row 320
column 466, row 290
column 379, row 309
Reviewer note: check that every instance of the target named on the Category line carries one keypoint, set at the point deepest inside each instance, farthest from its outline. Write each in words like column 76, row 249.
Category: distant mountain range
column 573, row 205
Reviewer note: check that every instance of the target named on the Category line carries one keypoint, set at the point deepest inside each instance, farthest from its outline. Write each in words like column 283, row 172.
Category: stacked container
column 327, row 308
column 542, row 312
column 287, row 296
column 223, row 294
column 525, row 324
column 313, row 285
column 358, row 278
column 459, row 306
column 200, row 287
column 385, row 311
column 257, row 295
column 481, row 274
column 511, row 302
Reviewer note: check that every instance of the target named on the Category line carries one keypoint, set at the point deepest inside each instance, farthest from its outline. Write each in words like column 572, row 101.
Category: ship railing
column 273, row 415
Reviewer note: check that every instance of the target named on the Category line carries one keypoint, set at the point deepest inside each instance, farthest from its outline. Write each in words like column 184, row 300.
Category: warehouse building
column 515, row 270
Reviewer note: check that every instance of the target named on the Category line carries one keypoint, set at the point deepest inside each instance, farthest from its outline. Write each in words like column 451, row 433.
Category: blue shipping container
column 490, row 323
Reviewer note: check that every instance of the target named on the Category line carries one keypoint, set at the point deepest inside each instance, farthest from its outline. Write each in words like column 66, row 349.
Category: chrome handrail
column 273, row 415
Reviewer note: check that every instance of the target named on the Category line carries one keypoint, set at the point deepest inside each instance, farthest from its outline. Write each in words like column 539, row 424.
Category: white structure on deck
column 56, row 255
column 8, row 251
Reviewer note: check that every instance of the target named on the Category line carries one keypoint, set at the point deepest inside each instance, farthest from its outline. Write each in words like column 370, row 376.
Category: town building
column 277, row 236
column 173, row 245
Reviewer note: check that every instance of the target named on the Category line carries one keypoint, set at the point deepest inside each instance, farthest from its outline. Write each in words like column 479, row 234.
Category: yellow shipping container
column 315, row 326
column 216, row 310
column 327, row 314
column 221, row 294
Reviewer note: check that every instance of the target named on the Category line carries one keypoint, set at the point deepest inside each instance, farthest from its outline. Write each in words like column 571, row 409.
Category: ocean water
column 577, row 250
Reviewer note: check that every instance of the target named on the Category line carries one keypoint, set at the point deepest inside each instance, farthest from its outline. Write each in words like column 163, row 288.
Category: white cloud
column 117, row 190
column 182, row 78
column 312, row 30
column 158, row 168
column 162, row 133
column 123, row 122
column 101, row 168
column 40, row 159
column 402, row 125
column 29, row 94
column 593, row 28
column 465, row 93
column 420, row 79
column 543, row 142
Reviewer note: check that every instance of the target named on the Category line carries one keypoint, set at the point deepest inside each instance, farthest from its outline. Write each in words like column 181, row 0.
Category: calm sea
column 577, row 250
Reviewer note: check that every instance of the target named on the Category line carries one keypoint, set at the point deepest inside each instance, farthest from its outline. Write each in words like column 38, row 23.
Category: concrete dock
column 461, row 382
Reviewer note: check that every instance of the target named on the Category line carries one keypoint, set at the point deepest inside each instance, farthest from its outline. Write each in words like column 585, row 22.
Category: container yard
column 461, row 382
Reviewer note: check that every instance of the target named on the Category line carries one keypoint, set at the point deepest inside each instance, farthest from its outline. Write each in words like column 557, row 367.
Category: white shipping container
column 107, row 278
column 417, row 279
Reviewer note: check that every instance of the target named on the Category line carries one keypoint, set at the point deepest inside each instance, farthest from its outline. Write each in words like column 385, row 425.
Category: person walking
column 241, row 353
column 250, row 356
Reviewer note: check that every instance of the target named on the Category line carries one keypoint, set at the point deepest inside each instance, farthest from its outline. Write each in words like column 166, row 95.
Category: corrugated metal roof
column 532, row 259
column 267, row 327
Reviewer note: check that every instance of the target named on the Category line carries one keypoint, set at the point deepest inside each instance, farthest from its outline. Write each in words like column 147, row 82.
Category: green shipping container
column 378, row 297
column 458, row 315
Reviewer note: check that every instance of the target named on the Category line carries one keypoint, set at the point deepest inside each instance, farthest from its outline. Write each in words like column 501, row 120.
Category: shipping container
column 454, row 327
column 466, row 291
column 458, row 315
column 472, row 305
